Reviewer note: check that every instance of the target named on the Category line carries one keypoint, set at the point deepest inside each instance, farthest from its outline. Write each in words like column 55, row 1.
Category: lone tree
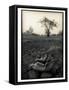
column 48, row 24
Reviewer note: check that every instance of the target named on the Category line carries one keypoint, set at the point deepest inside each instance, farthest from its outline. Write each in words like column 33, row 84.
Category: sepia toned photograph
column 42, row 44
column 37, row 44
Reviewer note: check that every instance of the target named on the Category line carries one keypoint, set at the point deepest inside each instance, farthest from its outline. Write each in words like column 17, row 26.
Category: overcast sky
column 32, row 19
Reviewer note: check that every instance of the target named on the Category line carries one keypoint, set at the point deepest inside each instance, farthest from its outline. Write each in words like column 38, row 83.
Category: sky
column 32, row 19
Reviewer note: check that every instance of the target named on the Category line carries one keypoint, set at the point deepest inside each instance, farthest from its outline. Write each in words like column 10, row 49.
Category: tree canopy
column 48, row 24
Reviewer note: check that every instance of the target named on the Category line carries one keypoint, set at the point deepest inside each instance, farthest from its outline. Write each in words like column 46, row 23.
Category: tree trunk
column 48, row 32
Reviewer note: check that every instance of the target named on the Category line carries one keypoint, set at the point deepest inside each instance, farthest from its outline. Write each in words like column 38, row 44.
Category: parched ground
column 33, row 46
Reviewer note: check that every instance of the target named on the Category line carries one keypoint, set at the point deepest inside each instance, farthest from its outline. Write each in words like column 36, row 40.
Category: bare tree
column 48, row 24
